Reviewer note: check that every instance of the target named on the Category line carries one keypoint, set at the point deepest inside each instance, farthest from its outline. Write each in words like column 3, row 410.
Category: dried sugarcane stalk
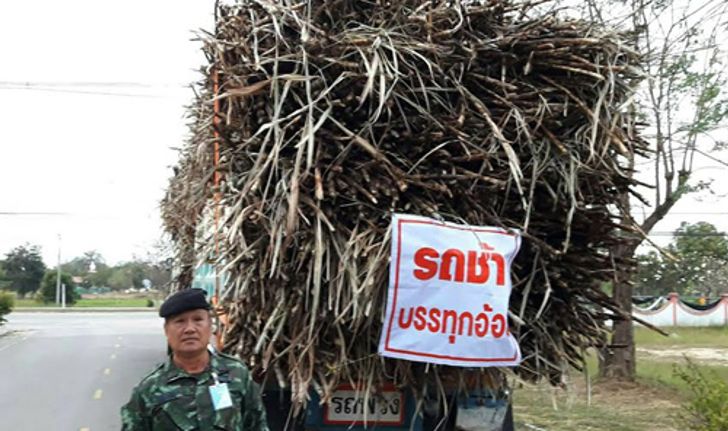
column 337, row 113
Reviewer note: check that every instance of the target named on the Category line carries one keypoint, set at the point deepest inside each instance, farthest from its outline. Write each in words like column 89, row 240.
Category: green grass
column 20, row 303
column 644, row 405
column 716, row 336
column 660, row 371
column 103, row 302
column 569, row 411
column 662, row 374
column 86, row 303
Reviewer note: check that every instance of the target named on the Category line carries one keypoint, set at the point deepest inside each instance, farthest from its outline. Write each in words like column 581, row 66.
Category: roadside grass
column 660, row 371
column 662, row 374
column 714, row 336
column 86, row 303
column 624, row 407
column 111, row 302
column 20, row 303
column 651, row 403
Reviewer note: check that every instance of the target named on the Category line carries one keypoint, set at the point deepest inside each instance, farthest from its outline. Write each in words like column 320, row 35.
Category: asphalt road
column 73, row 371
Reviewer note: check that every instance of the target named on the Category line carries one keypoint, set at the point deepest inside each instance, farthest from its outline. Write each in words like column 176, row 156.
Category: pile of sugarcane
column 331, row 115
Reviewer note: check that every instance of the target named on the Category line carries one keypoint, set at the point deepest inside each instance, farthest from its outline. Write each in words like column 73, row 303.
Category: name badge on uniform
column 220, row 396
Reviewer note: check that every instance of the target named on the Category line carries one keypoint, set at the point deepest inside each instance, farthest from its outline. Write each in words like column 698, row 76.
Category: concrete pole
column 63, row 296
column 58, row 273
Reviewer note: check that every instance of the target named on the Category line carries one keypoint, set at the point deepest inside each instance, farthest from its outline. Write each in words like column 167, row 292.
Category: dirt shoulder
column 717, row 356
column 611, row 407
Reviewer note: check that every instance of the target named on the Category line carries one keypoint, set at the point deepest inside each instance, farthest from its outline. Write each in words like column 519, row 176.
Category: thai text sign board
column 449, row 287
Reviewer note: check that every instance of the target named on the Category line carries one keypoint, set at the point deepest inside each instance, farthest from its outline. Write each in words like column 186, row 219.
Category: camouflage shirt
column 172, row 399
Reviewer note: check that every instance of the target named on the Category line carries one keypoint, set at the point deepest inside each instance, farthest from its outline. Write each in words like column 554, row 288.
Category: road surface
column 73, row 371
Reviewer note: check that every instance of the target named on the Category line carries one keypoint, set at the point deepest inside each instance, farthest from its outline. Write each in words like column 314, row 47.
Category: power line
column 710, row 157
column 116, row 84
column 91, row 88
column 33, row 213
column 698, row 212
column 94, row 93
column 685, row 234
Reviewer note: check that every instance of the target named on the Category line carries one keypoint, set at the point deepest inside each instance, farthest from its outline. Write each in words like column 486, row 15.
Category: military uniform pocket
column 174, row 414
column 229, row 419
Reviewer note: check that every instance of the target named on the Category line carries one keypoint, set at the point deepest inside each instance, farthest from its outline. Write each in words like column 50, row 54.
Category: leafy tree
column 100, row 277
column 7, row 301
column 681, row 102
column 120, row 279
column 132, row 275
column 700, row 264
column 703, row 256
column 81, row 267
column 48, row 288
column 656, row 276
column 125, row 275
column 4, row 282
column 24, row 269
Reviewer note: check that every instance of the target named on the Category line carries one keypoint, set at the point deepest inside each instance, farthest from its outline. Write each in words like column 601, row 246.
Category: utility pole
column 58, row 273
column 63, row 296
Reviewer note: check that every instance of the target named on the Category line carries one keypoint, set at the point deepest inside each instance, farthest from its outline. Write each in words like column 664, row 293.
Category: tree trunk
column 617, row 360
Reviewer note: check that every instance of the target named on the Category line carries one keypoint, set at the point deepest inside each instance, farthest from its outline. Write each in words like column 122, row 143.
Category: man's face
column 189, row 332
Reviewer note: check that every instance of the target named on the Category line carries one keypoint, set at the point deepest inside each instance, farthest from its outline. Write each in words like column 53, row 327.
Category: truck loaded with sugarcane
column 405, row 204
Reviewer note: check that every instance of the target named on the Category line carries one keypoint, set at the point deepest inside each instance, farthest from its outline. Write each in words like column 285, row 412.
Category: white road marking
column 98, row 394
column 117, row 346
column 107, row 371
column 113, row 356
column 85, row 429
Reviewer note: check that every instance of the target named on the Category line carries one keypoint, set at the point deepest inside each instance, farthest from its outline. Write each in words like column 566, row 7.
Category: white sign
column 449, row 286
column 349, row 407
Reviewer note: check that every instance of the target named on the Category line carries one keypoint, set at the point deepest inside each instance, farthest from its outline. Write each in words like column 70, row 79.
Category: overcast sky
column 100, row 155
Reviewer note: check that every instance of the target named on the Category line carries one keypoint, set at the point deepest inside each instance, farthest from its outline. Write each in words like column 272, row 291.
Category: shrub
column 48, row 288
column 7, row 302
column 150, row 303
column 707, row 409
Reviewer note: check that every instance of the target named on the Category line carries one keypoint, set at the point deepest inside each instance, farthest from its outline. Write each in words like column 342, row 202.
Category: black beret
column 184, row 300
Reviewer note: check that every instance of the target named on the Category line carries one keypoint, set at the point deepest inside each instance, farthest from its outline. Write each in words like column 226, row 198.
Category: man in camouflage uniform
column 196, row 389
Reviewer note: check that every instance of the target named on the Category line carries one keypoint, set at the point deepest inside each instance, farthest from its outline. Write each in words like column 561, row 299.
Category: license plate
column 348, row 407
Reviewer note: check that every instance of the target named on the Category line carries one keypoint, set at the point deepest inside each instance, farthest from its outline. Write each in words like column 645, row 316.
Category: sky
column 92, row 105
column 100, row 155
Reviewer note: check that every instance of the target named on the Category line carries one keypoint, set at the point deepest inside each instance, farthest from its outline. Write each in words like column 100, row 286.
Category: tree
column 132, row 275
column 656, row 276
column 120, row 279
column 48, row 288
column 101, row 277
column 4, row 282
column 7, row 301
column 703, row 254
column 127, row 275
column 81, row 267
column 682, row 101
column 24, row 269
column 699, row 266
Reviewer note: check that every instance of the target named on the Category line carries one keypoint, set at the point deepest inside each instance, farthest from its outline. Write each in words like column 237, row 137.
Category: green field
column 651, row 403
column 716, row 336
column 86, row 303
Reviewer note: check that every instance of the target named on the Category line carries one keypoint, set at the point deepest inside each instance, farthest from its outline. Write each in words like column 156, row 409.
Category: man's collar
column 172, row 372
